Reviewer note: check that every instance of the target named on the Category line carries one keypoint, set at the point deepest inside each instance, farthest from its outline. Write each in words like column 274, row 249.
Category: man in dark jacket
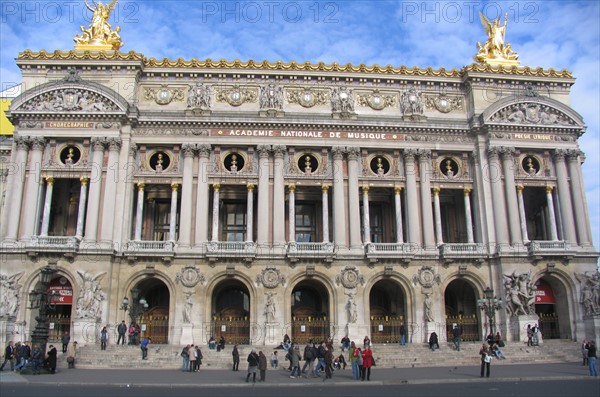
column 122, row 330
column 236, row 358
column 9, row 356
column 66, row 338
column 25, row 354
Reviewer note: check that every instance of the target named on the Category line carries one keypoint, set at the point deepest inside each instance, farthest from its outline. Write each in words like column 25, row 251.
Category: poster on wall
column 62, row 291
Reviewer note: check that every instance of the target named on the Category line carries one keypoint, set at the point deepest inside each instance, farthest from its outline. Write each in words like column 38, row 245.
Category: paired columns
column 17, row 182
column 339, row 213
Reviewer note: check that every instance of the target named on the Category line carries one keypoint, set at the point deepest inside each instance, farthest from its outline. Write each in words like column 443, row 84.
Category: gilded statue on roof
column 99, row 35
column 495, row 51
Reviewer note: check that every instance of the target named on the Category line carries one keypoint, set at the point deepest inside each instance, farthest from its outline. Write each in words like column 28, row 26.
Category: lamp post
column 489, row 304
column 44, row 301
column 135, row 307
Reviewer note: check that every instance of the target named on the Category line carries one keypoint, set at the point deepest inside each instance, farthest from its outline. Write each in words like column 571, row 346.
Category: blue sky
column 550, row 34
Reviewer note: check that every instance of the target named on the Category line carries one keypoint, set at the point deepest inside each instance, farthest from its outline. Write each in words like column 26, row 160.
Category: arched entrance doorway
column 231, row 312
column 154, row 321
column 551, row 307
column 461, row 309
column 59, row 313
column 310, row 312
column 388, row 307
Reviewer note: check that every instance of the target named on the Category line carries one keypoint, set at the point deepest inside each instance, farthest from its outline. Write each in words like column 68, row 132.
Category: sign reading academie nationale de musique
column 307, row 134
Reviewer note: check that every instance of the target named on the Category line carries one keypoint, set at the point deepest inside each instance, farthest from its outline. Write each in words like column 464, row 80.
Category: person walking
column 529, row 335
column 584, row 352
column 402, row 335
column 192, row 358
column 328, row 363
column 235, row 354
column 295, row 361
column 65, row 339
column 144, row 347
column 367, row 355
column 103, row 338
column 486, row 359
column 262, row 366
column 274, row 360
column 24, row 355
column 592, row 357
column 51, row 359
column 252, row 365
column 456, row 334
column 307, row 357
column 9, row 356
column 122, row 330
column 71, row 354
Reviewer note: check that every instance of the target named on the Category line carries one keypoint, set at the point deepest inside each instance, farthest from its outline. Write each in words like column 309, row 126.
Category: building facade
column 251, row 200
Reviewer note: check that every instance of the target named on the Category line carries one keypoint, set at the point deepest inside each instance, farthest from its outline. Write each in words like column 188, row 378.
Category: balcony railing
column 231, row 249
column 548, row 248
column 323, row 250
column 462, row 250
column 64, row 244
column 391, row 250
column 150, row 248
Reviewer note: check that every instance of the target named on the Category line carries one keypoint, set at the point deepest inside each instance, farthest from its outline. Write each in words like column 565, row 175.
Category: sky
column 549, row 34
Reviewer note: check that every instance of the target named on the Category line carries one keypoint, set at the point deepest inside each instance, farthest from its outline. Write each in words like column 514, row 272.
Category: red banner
column 62, row 290
column 544, row 294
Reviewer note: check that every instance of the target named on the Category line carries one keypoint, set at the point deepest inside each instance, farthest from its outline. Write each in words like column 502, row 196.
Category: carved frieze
column 91, row 296
column 199, row 96
column 531, row 113
column 9, row 294
column 236, row 95
column 170, row 131
column 271, row 97
column 70, row 100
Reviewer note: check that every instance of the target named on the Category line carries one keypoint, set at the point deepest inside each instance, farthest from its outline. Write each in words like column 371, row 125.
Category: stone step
column 386, row 355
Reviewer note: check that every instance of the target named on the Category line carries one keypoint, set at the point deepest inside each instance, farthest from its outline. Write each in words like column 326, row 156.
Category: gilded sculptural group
column 99, row 35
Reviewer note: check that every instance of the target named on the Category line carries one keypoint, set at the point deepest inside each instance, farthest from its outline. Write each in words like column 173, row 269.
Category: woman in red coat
column 367, row 356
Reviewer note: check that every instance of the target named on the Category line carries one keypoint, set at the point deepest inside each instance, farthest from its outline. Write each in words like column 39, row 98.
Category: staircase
column 386, row 355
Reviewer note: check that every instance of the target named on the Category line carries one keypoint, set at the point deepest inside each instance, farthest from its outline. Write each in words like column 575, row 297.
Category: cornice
column 291, row 66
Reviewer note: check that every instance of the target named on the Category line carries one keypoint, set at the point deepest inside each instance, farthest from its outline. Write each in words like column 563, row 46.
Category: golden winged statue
column 99, row 35
column 495, row 51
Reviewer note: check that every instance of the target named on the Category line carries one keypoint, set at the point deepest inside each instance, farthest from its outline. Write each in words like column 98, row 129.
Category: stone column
column 398, row 207
column 278, row 196
column 110, row 189
column 495, row 175
column 93, row 206
column 215, row 213
column 325, row 204
column 47, row 206
column 353, row 197
column 34, row 184
column 339, row 212
column 139, row 213
column 468, row 217
column 412, row 203
column 16, row 189
column 185, row 220
column 522, row 216
column 81, row 209
column 426, row 210
column 262, row 238
column 438, row 216
column 564, row 196
column 292, row 213
column 202, row 195
column 250, row 213
column 508, row 165
column 551, row 214
column 366, row 215
column 173, row 213
column 578, row 194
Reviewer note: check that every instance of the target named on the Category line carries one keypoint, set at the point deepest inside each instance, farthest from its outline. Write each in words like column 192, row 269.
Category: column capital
column 23, row 143
column 279, row 151
column 263, row 151
column 325, row 188
column 573, row 154
column 141, row 186
column 216, row 187
column 549, row 189
column 292, row 187
column 365, row 189
column 436, row 191
column 559, row 154
column 397, row 189
column 467, row 191
column 174, row 186
column 353, row 152
column 203, row 150
column 338, row 152
column 409, row 154
column 424, row 154
column 83, row 180
column 49, row 180
column 188, row 149
column 493, row 152
column 250, row 187
column 507, row 152
column 520, row 188
column 114, row 144
column 38, row 143
column 98, row 143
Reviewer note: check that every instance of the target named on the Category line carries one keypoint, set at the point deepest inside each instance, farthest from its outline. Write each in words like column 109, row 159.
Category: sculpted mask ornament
column 349, row 277
column 426, row 277
column 270, row 278
column 189, row 276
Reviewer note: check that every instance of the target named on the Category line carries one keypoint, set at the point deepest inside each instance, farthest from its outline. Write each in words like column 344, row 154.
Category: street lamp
column 489, row 304
column 135, row 307
column 44, row 301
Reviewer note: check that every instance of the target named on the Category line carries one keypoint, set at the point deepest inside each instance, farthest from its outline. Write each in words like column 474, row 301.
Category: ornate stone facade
column 269, row 203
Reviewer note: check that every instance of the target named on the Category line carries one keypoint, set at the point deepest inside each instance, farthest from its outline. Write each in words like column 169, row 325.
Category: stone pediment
column 534, row 111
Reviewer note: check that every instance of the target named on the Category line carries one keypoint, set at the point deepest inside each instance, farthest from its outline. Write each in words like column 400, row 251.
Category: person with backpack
column 308, row 359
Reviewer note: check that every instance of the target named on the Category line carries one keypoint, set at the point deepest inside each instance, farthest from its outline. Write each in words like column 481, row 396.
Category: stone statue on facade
column 411, row 104
column 271, row 97
column 99, row 35
column 270, row 307
column 428, row 308
column 495, row 51
column 9, row 295
column 520, row 294
column 187, row 308
column 351, row 308
column 199, row 97
column 90, row 296
column 342, row 100
column 590, row 292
